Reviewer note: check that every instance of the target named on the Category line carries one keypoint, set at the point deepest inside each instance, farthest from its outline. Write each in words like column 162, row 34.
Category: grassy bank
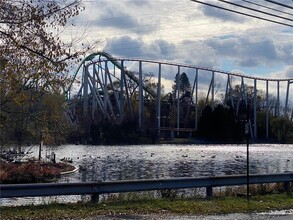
column 189, row 206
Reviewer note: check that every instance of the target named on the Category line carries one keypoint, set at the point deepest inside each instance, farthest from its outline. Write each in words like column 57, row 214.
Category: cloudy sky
column 191, row 33
column 186, row 32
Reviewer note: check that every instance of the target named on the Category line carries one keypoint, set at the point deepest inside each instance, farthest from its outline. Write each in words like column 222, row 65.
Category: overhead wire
column 140, row 29
column 179, row 26
column 278, row 3
column 247, row 45
column 253, row 9
column 193, row 42
column 133, row 28
column 184, row 50
column 135, row 47
column 270, row 8
column 129, row 48
column 242, row 13
column 126, row 45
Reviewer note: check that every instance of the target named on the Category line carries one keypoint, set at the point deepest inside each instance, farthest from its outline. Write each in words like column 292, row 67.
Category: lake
column 109, row 163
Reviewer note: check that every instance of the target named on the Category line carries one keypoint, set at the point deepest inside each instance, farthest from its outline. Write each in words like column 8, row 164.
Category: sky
column 186, row 32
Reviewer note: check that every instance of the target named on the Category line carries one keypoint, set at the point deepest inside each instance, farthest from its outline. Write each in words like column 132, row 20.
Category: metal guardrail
column 96, row 188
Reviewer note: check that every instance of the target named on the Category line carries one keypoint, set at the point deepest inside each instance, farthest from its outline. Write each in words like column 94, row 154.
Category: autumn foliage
column 32, row 172
column 35, row 59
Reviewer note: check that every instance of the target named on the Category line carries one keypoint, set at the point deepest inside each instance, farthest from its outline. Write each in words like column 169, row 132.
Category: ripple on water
column 108, row 163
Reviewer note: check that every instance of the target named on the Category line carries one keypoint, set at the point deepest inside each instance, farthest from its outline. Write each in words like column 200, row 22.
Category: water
column 109, row 163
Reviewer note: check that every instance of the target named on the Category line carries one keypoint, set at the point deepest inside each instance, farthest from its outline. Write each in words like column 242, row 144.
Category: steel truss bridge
column 118, row 88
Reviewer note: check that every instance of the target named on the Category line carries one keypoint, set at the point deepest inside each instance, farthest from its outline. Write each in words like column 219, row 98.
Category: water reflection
column 109, row 163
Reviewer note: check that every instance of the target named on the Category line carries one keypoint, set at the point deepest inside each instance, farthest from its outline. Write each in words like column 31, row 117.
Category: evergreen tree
column 183, row 85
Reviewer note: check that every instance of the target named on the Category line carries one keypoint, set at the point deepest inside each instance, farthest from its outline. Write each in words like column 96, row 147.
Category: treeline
column 224, row 123
column 34, row 66
column 108, row 133
column 43, row 115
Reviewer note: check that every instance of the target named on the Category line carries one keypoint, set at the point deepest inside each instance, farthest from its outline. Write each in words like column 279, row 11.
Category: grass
column 136, row 206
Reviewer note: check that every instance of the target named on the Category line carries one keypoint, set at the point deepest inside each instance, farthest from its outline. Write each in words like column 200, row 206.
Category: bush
column 30, row 172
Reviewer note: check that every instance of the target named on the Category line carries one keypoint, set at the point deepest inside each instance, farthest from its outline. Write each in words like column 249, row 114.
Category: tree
column 281, row 128
column 16, row 118
column 30, row 44
column 50, row 119
column 206, row 122
column 34, row 60
column 219, row 124
column 183, row 86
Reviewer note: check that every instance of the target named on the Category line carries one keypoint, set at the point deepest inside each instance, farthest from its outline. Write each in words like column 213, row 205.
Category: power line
column 263, row 6
column 180, row 26
column 252, row 9
column 129, row 45
column 238, row 12
column 278, row 3
column 247, row 45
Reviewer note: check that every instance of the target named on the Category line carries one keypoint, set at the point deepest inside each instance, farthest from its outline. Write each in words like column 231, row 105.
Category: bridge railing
column 96, row 188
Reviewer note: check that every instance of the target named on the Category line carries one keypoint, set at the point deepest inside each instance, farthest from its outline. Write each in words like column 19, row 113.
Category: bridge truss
column 119, row 88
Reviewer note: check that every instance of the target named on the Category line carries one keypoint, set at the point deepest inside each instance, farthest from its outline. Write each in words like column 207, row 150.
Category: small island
column 32, row 171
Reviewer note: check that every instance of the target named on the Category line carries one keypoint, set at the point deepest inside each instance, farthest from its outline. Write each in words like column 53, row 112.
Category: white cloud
column 289, row 72
column 222, row 15
column 189, row 33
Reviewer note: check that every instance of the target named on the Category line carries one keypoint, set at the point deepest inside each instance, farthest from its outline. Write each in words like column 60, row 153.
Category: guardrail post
column 209, row 192
column 95, row 197
column 287, row 186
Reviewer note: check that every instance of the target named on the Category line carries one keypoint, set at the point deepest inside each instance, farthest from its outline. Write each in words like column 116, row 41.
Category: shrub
column 30, row 172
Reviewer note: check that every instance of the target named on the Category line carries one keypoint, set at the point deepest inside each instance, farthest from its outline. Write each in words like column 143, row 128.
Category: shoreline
column 70, row 171
column 201, row 141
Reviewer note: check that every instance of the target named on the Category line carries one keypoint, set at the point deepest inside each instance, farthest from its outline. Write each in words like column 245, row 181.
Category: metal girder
column 195, row 85
column 287, row 97
column 178, row 99
column 159, row 99
column 85, row 90
column 140, row 97
column 115, row 101
column 211, row 88
column 267, row 109
column 254, row 109
column 196, row 100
